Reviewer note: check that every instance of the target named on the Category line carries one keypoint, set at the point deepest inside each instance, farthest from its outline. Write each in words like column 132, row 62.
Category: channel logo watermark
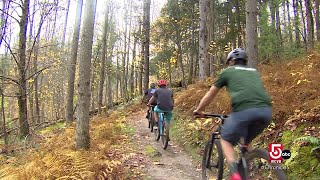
column 277, row 154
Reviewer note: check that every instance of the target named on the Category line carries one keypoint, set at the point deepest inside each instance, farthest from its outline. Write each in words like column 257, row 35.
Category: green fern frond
column 310, row 139
column 315, row 148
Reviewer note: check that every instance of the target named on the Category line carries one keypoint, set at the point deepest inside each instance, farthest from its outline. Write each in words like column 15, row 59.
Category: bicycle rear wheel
column 165, row 134
column 260, row 168
column 212, row 160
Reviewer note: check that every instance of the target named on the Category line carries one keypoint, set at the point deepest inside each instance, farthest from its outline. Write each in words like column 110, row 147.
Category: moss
column 128, row 130
column 150, row 151
column 302, row 164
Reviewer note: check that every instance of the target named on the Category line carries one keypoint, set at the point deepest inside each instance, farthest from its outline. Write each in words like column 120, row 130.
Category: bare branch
column 10, row 79
column 43, row 17
column 11, row 52
column 37, row 73
column 9, row 15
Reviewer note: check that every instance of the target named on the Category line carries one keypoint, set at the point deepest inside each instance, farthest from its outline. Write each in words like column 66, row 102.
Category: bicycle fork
column 242, row 165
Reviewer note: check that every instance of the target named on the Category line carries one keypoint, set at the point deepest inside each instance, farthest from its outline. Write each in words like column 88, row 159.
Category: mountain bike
column 162, row 131
column 251, row 164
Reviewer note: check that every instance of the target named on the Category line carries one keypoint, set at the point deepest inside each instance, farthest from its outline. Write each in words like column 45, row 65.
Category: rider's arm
column 205, row 101
column 151, row 100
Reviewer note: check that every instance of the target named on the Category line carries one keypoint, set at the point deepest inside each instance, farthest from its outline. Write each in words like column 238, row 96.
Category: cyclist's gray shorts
column 248, row 124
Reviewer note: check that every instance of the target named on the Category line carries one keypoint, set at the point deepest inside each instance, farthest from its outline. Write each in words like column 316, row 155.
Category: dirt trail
column 170, row 164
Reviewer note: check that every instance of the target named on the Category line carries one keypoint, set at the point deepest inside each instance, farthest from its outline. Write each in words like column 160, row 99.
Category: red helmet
column 162, row 82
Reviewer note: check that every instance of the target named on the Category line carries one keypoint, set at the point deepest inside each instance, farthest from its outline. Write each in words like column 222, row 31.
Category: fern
column 310, row 139
column 313, row 140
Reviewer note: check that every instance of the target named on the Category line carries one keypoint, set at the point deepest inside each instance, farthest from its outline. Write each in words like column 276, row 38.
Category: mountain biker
column 164, row 100
column 251, row 106
column 148, row 94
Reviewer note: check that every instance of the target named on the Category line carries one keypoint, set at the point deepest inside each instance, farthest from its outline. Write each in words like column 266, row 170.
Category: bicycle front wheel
column 165, row 134
column 259, row 166
column 212, row 161
column 151, row 121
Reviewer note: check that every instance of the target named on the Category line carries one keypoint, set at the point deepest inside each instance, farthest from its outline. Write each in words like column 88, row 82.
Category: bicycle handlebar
column 221, row 116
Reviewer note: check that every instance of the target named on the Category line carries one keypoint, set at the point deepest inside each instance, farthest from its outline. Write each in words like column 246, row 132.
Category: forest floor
column 170, row 164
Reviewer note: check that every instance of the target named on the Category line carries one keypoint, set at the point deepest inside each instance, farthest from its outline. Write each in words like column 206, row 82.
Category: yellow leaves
column 31, row 80
column 304, row 80
column 296, row 73
column 209, row 120
column 197, row 125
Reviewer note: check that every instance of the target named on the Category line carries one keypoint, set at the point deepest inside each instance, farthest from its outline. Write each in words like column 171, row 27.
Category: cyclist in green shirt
column 251, row 106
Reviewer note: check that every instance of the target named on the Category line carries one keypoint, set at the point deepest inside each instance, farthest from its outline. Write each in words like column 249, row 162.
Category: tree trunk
column 5, row 134
column 65, row 24
column 304, row 27
column 109, row 72
column 73, row 62
column 289, row 22
column 203, row 40
column 22, row 95
column 133, row 63
column 238, row 23
column 85, row 52
column 103, row 60
column 55, row 20
column 296, row 22
column 141, row 62
column 118, row 80
column 146, row 28
column 310, row 30
column 278, row 25
column 251, row 30
column 317, row 19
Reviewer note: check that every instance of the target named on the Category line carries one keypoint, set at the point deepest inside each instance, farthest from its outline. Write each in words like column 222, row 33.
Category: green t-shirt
column 244, row 86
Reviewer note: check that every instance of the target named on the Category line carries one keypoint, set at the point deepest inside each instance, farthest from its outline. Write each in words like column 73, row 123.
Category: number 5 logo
column 275, row 152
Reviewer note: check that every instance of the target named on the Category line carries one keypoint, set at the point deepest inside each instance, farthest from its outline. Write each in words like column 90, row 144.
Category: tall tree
column 203, row 40
column 73, row 61
column 103, row 59
column 65, row 23
column 310, row 30
column 22, row 94
column 85, row 52
column 251, row 31
column 317, row 21
column 295, row 5
column 289, row 21
column 146, row 28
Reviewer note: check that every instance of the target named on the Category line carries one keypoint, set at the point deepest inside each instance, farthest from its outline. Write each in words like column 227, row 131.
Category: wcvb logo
column 277, row 154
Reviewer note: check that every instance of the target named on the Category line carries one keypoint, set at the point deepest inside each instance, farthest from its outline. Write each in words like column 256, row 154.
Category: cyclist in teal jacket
column 163, row 96
column 251, row 106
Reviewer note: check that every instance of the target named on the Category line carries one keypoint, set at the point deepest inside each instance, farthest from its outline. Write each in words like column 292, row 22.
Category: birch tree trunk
column 85, row 52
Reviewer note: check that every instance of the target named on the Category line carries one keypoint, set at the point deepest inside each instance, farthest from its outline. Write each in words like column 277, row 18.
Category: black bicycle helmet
column 237, row 54
column 152, row 85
